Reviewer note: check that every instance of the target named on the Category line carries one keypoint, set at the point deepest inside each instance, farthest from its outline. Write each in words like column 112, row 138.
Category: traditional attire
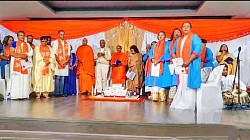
column 146, row 87
column 135, row 63
column 70, row 81
column 231, row 67
column 190, row 81
column 206, row 58
column 42, row 74
column 61, row 48
column 5, row 52
column 102, row 68
column 20, row 78
column 161, row 53
column 85, row 68
column 118, row 74
column 228, row 91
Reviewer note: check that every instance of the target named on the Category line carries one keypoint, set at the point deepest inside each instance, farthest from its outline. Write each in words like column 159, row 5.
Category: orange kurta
column 85, row 68
column 119, row 73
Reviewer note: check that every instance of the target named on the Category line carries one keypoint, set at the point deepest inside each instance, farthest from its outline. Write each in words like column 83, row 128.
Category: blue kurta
column 3, row 63
column 194, row 69
column 164, row 80
column 70, row 80
column 209, row 58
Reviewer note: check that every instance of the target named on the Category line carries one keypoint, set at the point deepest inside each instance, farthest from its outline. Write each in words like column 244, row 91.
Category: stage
column 49, row 115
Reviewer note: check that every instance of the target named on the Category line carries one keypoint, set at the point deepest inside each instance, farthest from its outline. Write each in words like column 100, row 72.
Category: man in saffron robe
column 61, row 50
column 85, row 68
column 43, row 70
column 206, row 55
column 20, row 53
column 188, row 47
column 119, row 62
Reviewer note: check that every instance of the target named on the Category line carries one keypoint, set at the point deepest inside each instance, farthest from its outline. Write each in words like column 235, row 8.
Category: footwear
column 155, row 96
column 162, row 96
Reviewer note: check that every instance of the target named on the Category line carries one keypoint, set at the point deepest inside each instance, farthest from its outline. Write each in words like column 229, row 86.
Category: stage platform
column 73, row 118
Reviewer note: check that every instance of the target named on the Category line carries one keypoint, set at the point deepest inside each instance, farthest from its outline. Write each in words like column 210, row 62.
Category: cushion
column 215, row 75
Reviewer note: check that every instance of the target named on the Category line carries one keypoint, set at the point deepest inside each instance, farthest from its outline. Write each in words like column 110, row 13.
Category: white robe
column 20, row 87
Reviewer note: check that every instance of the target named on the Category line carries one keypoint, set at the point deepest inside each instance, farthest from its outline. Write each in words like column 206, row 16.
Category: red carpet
column 113, row 99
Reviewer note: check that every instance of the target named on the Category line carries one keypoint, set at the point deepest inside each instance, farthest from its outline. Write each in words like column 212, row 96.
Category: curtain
column 124, row 35
column 209, row 29
column 73, row 28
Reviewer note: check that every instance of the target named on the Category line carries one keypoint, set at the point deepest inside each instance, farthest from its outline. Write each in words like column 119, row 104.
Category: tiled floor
column 72, row 108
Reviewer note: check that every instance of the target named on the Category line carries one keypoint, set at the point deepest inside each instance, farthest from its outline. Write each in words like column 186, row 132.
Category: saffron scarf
column 45, row 51
column 158, row 53
column 186, row 50
column 17, row 61
column 7, row 51
column 172, row 45
column 62, row 56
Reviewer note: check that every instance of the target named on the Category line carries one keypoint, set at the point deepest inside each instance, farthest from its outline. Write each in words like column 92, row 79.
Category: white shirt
column 182, row 44
column 65, row 71
column 103, row 59
column 227, row 83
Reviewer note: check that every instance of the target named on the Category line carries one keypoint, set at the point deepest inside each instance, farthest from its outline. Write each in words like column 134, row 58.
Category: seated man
column 228, row 91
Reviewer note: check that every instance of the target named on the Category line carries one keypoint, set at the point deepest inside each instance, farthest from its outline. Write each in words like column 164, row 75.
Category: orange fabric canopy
column 72, row 28
column 209, row 29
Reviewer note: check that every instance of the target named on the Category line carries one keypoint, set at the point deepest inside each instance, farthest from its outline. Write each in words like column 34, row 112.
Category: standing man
column 86, row 68
column 49, row 40
column 61, row 50
column 119, row 62
column 188, row 47
column 30, row 41
column 43, row 70
column 20, row 53
column 102, row 58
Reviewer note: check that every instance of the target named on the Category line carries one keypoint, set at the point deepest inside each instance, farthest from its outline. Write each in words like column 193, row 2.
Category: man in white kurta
column 43, row 68
column 20, row 65
column 61, row 49
column 228, row 89
column 102, row 58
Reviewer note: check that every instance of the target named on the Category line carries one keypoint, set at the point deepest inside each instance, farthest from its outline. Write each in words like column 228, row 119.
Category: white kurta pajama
column 102, row 68
column 20, row 87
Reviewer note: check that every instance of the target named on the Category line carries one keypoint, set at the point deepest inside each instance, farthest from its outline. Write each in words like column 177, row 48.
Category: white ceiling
column 24, row 10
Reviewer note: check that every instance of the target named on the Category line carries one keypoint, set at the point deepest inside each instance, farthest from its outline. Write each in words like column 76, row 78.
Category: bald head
column 84, row 41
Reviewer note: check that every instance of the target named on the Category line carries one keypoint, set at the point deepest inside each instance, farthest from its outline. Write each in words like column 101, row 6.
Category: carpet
column 114, row 99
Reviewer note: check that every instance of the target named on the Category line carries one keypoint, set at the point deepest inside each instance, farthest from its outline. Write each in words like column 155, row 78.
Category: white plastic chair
column 209, row 96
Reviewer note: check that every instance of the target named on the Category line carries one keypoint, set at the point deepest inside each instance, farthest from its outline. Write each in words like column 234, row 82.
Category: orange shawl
column 186, row 48
column 7, row 51
column 62, row 54
column 203, row 54
column 172, row 45
column 45, row 51
column 17, row 61
column 158, row 53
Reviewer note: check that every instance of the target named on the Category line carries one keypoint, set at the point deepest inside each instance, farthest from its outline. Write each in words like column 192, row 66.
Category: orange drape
column 72, row 28
column 210, row 29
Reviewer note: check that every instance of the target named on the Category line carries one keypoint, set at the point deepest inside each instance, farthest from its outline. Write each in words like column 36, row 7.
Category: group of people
column 54, row 68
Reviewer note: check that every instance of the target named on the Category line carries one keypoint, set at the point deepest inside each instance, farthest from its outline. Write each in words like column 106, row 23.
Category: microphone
column 239, row 49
